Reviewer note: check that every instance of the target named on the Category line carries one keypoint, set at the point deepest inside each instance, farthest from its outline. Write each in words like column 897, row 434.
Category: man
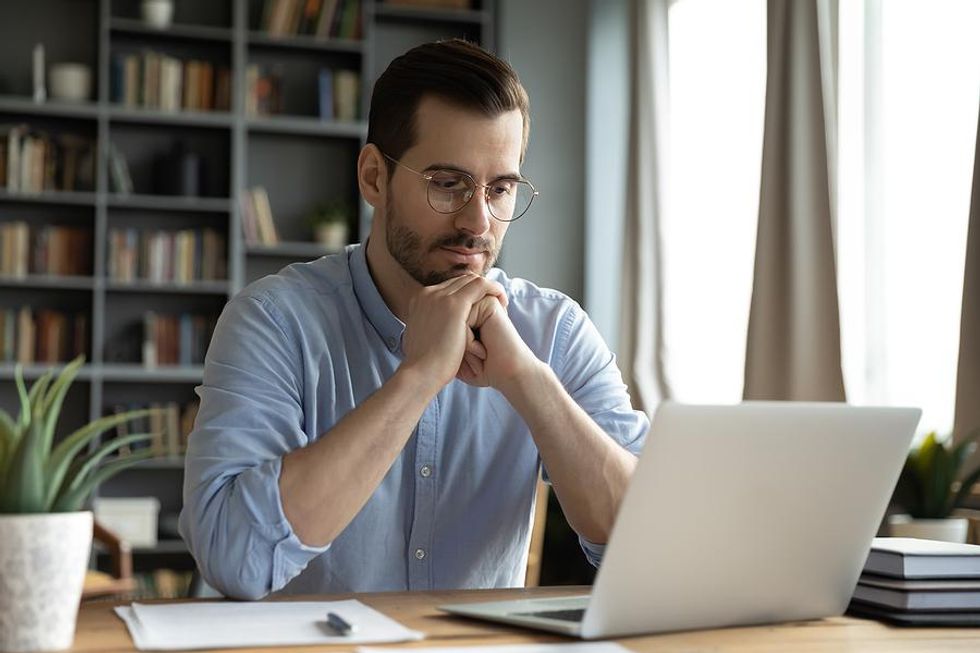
column 376, row 420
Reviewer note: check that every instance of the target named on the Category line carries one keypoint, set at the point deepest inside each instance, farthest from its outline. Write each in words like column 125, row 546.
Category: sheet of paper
column 574, row 647
column 186, row 626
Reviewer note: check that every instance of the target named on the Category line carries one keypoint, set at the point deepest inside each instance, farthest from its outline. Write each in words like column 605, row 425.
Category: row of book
column 159, row 256
column 321, row 19
column 44, row 250
column 918, row 582
column 30, row 336
column 153, row 80
column 32, row 161
column 338, row 92
column 170, row 423
column 175, row 339
column 257, row 223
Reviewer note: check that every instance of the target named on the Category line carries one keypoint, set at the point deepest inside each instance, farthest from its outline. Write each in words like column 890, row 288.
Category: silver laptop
column 749, row 514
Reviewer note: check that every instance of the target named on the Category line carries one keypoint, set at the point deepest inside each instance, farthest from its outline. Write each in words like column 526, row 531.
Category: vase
column 952, row 529
column 157, row 13
column 332, row 235
column 43, row 558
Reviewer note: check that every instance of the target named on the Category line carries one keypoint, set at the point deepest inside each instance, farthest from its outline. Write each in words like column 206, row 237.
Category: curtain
column 968, row 371
column 793, row 343
column 641, row 331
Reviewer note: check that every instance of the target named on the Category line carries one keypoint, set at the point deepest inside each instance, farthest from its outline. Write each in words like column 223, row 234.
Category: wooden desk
column 100, row 630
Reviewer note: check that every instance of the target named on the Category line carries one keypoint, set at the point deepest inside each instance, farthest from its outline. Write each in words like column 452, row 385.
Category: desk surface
column 99, row 629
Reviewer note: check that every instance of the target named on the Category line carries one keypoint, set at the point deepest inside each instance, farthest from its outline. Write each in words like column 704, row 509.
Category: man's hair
column 454, row 70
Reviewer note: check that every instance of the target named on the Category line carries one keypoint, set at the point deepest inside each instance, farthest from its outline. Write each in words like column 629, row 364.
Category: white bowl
column 71, row 82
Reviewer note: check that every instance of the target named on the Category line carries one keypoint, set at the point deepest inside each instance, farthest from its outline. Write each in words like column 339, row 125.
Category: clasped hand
column 441, row 334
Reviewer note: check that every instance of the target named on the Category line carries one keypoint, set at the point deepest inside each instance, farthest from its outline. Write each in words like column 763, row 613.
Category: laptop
column 749, row 514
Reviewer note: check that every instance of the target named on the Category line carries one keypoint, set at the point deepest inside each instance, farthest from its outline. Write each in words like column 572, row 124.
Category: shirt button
column 425, row 471
column 391, row 343
column 419, row 553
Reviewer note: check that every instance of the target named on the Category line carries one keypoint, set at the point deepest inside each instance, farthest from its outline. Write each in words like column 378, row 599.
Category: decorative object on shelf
column 157, row 13
column 330, row 222
column 40, row 92
column 929, row 492
column 70, row 82
column 45, row 536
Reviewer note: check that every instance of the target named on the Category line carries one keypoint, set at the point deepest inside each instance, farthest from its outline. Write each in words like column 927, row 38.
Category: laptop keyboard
column 562, row 615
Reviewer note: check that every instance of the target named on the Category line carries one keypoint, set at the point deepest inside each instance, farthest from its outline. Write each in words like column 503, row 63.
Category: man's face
column 431, row 246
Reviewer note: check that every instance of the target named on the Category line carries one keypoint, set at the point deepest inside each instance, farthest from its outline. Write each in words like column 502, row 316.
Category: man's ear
column 372, row 175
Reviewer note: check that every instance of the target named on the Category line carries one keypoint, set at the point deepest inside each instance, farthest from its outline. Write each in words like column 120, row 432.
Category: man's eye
column 449, row 182
column 502, row 188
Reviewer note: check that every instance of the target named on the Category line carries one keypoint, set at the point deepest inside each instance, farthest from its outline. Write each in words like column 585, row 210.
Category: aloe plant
column 39, row 476
column 927, row 487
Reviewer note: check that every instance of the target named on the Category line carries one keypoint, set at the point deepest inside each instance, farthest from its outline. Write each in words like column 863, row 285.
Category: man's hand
column 437, row 332
column 506, row 357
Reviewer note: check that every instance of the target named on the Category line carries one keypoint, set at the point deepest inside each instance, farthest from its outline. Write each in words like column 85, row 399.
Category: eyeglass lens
column 508, row 199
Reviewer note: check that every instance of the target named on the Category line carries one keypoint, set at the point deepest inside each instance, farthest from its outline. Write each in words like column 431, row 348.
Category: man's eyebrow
column 516, row 176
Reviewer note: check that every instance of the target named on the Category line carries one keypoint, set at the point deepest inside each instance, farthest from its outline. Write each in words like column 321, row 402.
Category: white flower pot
column 948, row 530
column 43, row 558
column 332, row 235
column 157, row 13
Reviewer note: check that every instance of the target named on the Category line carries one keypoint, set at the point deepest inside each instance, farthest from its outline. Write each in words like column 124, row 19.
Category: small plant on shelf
column 330, row 222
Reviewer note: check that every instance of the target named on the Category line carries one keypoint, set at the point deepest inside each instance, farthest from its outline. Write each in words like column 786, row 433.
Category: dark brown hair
column 454, row 70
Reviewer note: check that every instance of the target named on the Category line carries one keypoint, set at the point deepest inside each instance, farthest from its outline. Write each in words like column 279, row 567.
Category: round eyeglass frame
column 486, row 191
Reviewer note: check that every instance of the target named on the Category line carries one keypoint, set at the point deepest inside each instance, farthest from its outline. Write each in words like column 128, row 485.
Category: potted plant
column 329, row 222
column 45, row 535
column 929, row 492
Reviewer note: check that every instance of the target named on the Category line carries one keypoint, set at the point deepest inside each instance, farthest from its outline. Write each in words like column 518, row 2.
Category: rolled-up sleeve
column 588, row 371
column 250, row 417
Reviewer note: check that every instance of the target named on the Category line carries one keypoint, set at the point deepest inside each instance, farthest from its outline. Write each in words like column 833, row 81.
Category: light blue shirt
column 296, row 351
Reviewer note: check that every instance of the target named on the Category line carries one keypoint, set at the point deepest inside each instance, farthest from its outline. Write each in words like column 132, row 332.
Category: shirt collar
column 389, row 327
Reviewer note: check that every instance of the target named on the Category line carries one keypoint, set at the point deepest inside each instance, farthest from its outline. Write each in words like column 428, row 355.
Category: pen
column 340, row 625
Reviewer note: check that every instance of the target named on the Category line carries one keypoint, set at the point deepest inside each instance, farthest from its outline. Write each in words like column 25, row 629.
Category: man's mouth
column 464, row 255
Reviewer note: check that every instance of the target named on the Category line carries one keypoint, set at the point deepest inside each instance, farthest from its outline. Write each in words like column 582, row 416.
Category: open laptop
column 755, row 513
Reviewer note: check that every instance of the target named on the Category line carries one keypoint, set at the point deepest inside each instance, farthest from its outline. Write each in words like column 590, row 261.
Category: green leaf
column 52, row 402
column 9, row 437
column 25, row 402
column 72, row 500
column 67, row 449
column 23, row 491
column 72, row 481
column 39, row 388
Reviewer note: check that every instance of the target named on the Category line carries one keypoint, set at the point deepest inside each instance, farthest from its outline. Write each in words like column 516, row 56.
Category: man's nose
column 475, row 217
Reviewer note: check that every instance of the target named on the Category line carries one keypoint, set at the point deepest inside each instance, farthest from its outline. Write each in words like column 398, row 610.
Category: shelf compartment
column 218, row 119
column 55, row 108
column 48, row 281
column 195, row 288
column 304, row 126
column 258, row 39
column 289, row 250
column 136, row 27
column 170, row 203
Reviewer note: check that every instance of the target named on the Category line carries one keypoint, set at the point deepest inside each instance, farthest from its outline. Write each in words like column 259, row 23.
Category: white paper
column 576, row 647
column 185, row 626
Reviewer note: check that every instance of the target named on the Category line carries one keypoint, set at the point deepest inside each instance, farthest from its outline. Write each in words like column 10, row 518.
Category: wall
column 546, row 41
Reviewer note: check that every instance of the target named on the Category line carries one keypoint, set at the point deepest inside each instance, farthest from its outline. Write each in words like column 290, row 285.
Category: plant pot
column 43, row 558
column 952, row 529
column 332, row 235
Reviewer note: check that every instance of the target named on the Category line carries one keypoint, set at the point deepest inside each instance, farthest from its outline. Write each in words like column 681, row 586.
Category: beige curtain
column 968, row 373
column 641, row 332
column 793, row 345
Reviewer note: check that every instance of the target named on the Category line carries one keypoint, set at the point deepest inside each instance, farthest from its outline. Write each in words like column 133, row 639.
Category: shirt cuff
column 593, row 551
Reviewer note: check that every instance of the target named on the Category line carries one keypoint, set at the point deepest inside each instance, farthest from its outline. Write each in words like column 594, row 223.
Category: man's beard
column 407, row 248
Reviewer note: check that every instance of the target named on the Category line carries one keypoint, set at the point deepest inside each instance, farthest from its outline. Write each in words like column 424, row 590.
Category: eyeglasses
column 448, row 191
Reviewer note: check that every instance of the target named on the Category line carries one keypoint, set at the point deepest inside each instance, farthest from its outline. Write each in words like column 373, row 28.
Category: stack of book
column 30, row 335
column 32, row 161
column 175, row 339
column 166, row 256
column 153, row 80
column 257, row 222
column 916, row 582
column 321, row 19
column 46, row 250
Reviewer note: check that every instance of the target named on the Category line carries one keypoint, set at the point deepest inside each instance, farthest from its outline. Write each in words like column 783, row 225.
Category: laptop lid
column 754, row 513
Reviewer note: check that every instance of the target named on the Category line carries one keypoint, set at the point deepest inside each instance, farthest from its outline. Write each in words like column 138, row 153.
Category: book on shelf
column 33, row 161
column 175, row 339
column 432, row 4
column 169, row 423
column 120, row 180
column 905, row 557
column 47, row 250
column 321, row 19
column 257, row 223
column 161, row 256
column 29, row 335
column 338, row 94
column 154, row 80
column 263, row 90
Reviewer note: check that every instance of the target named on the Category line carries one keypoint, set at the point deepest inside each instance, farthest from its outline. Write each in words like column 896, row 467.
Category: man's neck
column 396, row 286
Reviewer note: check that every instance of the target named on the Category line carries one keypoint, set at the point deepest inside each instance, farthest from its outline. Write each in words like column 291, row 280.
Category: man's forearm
column 589, row 471
column 324, row 486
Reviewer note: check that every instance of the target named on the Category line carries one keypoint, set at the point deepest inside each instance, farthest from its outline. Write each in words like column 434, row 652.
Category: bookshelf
column 299, row 158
